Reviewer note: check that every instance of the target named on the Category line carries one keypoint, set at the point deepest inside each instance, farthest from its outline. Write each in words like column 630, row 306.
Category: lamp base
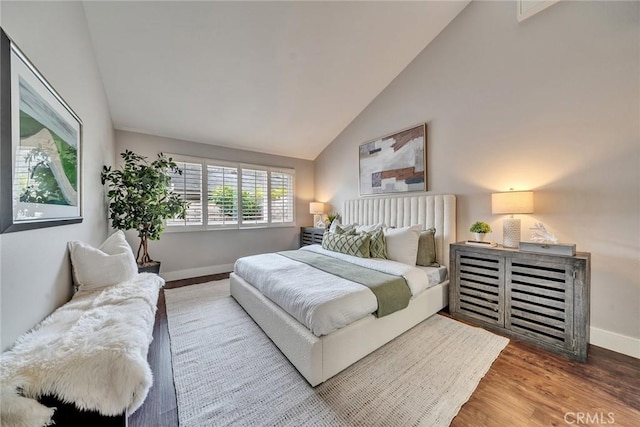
column 511, row 232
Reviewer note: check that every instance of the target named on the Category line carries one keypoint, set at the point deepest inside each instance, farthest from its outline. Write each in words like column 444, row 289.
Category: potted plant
column 331, row 217
column 140, row 198
column 479, row 230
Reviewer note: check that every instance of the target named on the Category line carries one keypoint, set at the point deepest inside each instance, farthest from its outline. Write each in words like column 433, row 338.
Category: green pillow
column 349, row 244
column 378, row 246
column 427, row 249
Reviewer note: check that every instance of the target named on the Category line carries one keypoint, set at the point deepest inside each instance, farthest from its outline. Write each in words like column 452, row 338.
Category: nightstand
column 310, row 235
column 539, row 298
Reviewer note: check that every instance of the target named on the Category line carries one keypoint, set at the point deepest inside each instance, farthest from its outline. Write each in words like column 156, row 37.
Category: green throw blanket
column 392, row 292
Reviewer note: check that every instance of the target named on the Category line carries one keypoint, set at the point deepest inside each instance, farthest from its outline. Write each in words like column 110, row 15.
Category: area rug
column 227, row 372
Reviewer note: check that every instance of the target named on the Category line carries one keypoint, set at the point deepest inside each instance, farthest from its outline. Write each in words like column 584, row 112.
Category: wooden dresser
column 539, row 298
column 310, row 235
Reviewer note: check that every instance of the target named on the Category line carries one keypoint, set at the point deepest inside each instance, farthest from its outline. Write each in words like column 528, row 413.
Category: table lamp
column 510, row 203
column 317, row 209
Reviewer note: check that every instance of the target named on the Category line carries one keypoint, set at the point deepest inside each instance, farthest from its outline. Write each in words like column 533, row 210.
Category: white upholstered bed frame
column 320, row 358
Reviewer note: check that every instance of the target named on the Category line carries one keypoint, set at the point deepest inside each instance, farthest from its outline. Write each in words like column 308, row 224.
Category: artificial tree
column 140, row 198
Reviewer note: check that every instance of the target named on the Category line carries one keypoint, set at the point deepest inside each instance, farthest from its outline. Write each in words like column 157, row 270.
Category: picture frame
column 528, row 8
column 40, row 148
column 395, row 163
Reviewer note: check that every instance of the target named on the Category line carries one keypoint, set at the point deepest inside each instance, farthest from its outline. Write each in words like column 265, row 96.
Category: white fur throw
column 92, row 351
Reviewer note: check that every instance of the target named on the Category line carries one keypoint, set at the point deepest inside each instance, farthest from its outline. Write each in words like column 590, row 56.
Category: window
column 254, row 193
column 222, row 205
column 281, row 197
column 232, row 195
column 189, row 186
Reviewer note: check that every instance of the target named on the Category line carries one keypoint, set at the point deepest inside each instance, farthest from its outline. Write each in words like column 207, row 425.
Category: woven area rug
column 227, row 372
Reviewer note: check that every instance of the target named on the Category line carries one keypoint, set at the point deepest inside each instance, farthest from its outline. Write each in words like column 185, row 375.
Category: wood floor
column 526, row 386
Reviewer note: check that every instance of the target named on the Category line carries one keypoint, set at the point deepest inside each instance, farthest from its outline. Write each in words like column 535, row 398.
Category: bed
column 319, row 358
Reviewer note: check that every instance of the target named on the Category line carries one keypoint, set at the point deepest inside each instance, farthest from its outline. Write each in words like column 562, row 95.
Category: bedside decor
column 395, row 163
column 317, row 210
column 41, row 178
column 480, row 230
column 512, row 202
column 540, row 234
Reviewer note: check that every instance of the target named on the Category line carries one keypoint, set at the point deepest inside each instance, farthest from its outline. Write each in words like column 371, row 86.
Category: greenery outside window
column 225, row 195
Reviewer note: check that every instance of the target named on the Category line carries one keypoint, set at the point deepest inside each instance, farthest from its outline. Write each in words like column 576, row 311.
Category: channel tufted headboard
column 437, row 211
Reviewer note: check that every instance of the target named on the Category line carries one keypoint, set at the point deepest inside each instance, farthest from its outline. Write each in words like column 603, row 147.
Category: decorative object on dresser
column 539, row 298
column 311, row 235
column 566, row 249
column 540, row 234
column 41, row 139
column 510, row 203
column 480, row 230
column 141, row 198
column 317, row 209
column 395, row 163
column 545, row 242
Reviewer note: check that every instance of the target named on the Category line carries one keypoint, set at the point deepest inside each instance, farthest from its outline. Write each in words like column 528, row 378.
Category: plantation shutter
column 189, row 187
column 253, row 200
column 222, row 195
column 282, row 196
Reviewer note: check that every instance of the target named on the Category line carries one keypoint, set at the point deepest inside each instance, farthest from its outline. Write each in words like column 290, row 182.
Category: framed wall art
column 395, row 163
column 40, row 148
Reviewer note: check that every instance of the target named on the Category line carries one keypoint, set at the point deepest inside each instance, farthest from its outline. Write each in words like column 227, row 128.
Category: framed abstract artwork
column 395, row 163
column 40, row 148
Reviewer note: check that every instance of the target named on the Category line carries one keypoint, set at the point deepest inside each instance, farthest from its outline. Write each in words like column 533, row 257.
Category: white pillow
column 368, row 228
column 402, row 243
column 112, row 263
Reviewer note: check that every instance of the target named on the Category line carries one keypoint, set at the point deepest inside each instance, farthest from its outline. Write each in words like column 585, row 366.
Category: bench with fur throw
column 91, row 352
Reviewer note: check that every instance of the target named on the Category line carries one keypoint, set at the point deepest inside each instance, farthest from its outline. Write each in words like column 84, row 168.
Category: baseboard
column 196, row 272
column 615, row 342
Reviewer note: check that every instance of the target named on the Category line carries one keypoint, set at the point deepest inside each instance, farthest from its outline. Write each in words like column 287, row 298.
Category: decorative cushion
column 356, row 245
column 427, row 249
column 378, row 245
column 368, row 228
column 344, row 229
column 402, row 243
column 112, row 263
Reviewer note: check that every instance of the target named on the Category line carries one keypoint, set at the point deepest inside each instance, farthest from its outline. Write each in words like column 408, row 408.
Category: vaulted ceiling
column 277, row 77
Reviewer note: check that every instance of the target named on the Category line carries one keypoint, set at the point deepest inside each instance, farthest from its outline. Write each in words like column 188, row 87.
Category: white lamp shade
column 316, row 208
column 512, row 202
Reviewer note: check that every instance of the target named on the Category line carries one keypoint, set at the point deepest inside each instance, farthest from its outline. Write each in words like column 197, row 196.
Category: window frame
column 204, row 195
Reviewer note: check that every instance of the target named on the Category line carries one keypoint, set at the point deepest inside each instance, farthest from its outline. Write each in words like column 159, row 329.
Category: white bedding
column 321, row 301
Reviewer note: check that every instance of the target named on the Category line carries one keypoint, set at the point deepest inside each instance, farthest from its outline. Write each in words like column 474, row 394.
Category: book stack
column 485, row 244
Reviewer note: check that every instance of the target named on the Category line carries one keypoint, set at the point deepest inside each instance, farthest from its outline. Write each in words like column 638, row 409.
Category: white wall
column 35, row 270
column 550, row 104
column 194, row 253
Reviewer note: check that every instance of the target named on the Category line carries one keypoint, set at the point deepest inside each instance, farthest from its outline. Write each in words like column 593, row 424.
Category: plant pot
column 150, row 267
column 480, row 236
